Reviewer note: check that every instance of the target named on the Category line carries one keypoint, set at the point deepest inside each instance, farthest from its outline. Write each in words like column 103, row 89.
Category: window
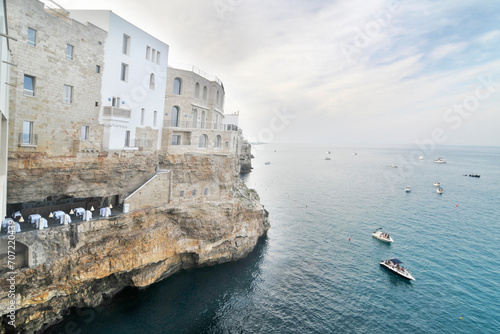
column 152, row 81
column 203, row 141
column 69, row 52
column 197, row 90
column 97, row 69
column 181, row 193
column 216, row 121
column 203, row 119
column 176, row 140
column 217, row 141
column 154, row 118
column 153, row 55
column 126, row 45
column 194, row 192
column 158, row 56
column 175, row 116
column 115, row 102
column 27, row 136
column 177, row 86
column 124, row 73
column 148, row 53
column 29, row 85
column 205, row 93
column 205, row 192
column 67, row 94
column 142, row 116
column 85, row 132
column 127, row 138
column 195, row 118
column 31, row 37
column 217, row 98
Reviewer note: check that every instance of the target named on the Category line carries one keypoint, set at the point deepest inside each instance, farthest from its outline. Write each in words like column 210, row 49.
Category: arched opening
column 217, row 99
column 203, row 119
column 152, row 81
column 177, row 86
column 205, row 93
column 174, row 118
column 21, row 257
column 203, row 141
column 216, row 124
column 195, row 118
column 217, row 141
column 227, row 144
column 197, row 90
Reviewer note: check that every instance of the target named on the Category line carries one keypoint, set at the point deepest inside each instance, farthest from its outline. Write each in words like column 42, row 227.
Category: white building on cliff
column 133, row 82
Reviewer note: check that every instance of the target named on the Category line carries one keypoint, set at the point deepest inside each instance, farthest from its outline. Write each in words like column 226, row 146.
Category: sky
column 347, row 72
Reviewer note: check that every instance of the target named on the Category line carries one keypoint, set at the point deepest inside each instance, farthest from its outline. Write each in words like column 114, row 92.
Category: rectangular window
column 124, row 73
column 126, row 45
column 176, row 140
column 181, row 193
column 29, row 85
column 158, row 57
column 27, row 136
column 148, row 53
column 142, row 116
column 127, row 138
column 153, row 56
column 115, row 102
column 194, row 192
column 205, row 192
column 154, row 118
column 85, row 132
column 97, row 69
column 31, row 37
column 69, row 52
column 68, row 94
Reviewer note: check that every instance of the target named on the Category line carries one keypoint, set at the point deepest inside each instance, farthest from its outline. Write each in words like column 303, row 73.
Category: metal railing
column 27, row 139
column 196, row 70
column 116, row 112
column 200, row 125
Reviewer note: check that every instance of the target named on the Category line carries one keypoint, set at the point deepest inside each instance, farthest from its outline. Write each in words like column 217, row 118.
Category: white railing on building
column 206, row 125
column 116, row 112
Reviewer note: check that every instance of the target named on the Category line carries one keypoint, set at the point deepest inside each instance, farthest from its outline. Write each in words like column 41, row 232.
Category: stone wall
column 56, row 124
column 155, row 192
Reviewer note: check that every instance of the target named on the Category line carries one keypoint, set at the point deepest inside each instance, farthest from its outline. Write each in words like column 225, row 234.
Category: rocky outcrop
column 85, row 262
column 245, row 156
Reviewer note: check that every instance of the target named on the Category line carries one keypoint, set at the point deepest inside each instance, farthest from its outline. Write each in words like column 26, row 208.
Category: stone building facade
column 194, row 113
column 4, row 106
column 56, row 94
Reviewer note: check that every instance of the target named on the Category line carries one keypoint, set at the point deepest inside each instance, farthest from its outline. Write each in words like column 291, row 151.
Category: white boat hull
column 379, row 236
column 392, row 268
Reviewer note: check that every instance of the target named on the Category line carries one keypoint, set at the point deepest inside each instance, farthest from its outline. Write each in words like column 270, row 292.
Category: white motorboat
column 393, row 265
column 267, row 163
column 437, row 184
column 385, row 237
column 420, row 158
column 440, row 161
column 328, row 158
column 394, row 166
column 407, row 189
column 439, row 190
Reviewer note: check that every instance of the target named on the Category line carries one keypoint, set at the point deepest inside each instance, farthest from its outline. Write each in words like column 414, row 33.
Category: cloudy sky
column 339, row 72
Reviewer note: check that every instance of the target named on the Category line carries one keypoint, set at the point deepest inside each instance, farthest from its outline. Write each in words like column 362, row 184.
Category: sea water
column 317, row 270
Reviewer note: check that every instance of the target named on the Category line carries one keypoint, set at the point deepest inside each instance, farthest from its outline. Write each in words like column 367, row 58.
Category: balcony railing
column 146, row 143
column 198, row 125
column 116, row 112
column 27, row 139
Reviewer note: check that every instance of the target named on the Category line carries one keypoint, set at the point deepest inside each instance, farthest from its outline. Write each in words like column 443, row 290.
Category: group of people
column 385, row 235
column 397, row 267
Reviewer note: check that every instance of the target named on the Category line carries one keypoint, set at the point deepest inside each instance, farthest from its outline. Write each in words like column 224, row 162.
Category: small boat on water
column 439, row 190
column 393, row 265
column 420, row 158
column 267, row 163
column 440, row 161
column 407, row 189
column 437, row 184
column 385, row 237
column 329, row 152
column 328, row 158
column 394, row 166
column 474, row 175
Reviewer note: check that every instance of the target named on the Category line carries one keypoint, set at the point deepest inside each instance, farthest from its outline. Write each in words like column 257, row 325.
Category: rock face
column 84, row 262
column 245, row 156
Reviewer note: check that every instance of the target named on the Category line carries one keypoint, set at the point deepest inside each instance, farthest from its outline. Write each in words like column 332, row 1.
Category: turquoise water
column 306, row 276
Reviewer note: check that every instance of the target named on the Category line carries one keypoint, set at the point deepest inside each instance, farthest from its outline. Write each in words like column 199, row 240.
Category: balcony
column 28, row 139
column 116, row 112
column 199, row 126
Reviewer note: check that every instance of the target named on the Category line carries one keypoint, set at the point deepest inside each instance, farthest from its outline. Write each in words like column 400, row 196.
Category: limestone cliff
column 245, row 156
column 86, row 261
